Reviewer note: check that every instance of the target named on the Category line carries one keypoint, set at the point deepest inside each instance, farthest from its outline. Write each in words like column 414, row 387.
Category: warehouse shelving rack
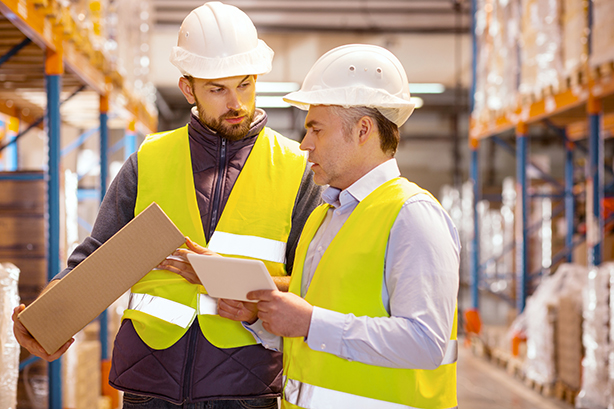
column 43, row 50
column 583, row 108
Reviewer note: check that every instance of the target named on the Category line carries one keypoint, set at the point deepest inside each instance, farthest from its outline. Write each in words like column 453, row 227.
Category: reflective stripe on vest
column 171, row 311
column 316, row 397
column 166, row 310
column 248, row 246
column 451, row 355
column 207, row 305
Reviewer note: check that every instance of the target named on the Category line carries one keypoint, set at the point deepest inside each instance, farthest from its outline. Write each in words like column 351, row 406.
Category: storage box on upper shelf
column 602, row 51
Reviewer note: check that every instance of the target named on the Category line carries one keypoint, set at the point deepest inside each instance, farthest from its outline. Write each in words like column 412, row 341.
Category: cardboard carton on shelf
column 101, row 278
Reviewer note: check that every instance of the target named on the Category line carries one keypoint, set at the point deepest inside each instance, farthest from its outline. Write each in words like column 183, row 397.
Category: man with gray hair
column 370, row 319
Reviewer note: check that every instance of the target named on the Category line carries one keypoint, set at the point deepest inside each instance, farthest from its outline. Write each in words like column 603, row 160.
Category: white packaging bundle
column 9, row 348
column 540, row 364
column 595, row 339
column 610, row 391
column 603, row 33
column 541, row 45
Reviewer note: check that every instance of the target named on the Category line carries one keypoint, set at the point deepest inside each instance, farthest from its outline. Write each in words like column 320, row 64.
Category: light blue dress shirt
column 420, row 284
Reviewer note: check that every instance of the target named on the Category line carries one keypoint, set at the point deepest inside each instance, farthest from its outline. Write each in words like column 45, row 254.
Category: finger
column 232, row 303
column 195, row 247
column 60, row 351
column 176, row 262
column 260, row 295
column 16, row 312
column 225, row 306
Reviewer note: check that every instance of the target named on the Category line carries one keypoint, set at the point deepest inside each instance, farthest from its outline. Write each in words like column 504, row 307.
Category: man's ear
column 186, row 90
column 366, row 129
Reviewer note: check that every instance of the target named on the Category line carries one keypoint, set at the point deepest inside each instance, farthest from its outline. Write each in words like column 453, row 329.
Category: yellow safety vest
column 255, row 223
column 349, row 279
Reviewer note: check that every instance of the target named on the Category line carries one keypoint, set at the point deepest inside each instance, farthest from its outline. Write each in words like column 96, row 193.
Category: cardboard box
column 100, row 279
column 23, row 196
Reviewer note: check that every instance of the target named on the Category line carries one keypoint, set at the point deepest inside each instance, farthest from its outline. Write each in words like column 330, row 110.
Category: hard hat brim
column 395, row 109
column 255, row 62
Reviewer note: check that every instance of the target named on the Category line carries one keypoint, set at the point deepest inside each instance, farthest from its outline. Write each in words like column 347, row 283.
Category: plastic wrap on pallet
column 595, row 339
column 540, row 364
column 9, row 348
column 602, row 50
column 81, row 370
column 541, row 46
column 574, row 24
column 610, row 391
column 497, row 28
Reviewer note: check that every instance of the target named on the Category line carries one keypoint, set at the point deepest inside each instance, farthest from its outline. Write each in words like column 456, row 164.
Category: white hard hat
column 357, row 75
column 218, row 40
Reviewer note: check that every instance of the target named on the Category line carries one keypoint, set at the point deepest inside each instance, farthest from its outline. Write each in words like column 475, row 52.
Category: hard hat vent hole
column 187, row 34
column 352, row 68
column 379, row 72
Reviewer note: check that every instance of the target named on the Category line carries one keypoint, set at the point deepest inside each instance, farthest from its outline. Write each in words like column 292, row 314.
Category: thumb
column 259, row 295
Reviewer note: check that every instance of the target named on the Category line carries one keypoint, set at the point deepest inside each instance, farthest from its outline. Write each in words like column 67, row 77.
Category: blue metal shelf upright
column 45, row 51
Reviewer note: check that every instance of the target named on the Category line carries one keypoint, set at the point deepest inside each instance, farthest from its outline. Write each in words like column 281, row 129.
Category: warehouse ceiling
column 430, row 37
column 373, row 16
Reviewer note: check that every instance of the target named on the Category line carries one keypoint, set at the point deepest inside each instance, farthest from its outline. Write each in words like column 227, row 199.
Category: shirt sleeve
column 263, row 337
column 421, row 277
column 116, row 210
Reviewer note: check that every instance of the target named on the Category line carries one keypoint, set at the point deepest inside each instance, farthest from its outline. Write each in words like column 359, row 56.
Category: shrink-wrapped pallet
column 603, row 33
column 595, row 339
column 541, row 307
column 82, row 384
column 497, row 26
column 541, row 46
column 610, row 391
column 9, row 348
column 574, row 23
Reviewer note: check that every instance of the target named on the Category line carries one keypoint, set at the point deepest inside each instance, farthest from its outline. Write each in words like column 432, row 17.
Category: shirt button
column 319, row 248
column 260, row 332
column 323, row 346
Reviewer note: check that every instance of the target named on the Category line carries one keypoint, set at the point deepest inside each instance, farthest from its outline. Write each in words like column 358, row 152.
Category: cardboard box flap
column 101, row 278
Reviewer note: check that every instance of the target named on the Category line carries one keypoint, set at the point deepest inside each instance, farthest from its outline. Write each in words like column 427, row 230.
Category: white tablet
column 231, row 278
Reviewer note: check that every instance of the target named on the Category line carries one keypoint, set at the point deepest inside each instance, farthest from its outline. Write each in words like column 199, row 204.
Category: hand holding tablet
column 231, row 278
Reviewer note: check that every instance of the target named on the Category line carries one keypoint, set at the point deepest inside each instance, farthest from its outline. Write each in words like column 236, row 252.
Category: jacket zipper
column 218, row 188
column 214, row 213
column 187, row 375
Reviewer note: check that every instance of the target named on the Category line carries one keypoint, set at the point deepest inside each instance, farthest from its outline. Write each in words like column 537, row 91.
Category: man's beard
column 228, row 131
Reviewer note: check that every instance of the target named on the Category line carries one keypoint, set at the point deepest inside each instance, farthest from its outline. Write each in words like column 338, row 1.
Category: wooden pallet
column 565, row 393
column 604, row 70
column 546, row 390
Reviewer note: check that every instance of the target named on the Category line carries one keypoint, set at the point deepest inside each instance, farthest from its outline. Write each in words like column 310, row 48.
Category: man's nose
column 306, row 144
column 234, row 102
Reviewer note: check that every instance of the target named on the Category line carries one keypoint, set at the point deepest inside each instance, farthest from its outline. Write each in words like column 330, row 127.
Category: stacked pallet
column 22, row 223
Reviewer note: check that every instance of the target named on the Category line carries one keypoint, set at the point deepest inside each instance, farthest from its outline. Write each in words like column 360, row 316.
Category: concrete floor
column 482, row 385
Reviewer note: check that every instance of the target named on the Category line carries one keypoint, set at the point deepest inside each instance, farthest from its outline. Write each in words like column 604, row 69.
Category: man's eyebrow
column 312, row 123
column 214, row 84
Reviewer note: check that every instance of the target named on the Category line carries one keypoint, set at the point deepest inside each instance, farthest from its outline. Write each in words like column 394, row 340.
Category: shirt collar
column 364, row 186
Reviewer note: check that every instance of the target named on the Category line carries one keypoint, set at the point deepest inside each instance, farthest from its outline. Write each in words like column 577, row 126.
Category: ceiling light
column 271, row 102
column 417, row 101
column 426, row 88
column 276, row 87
